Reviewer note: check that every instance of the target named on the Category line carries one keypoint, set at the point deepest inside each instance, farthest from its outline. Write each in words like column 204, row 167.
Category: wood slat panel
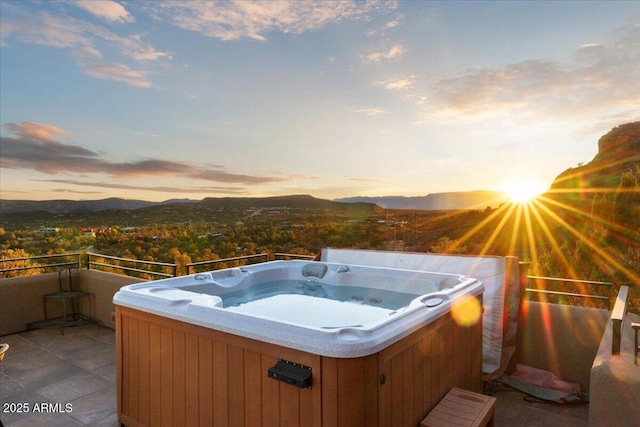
column 144, row 371
column 179, row 379
column 449, row 355
column 384, row 395
column 270, row 394
column 371, row 391
column 221, row 390
column 199, row 376
column 407, row 386
column 351, row 391
column 192, row 403
column 166, row 376
column 205, row 382
column 310, row 408
column 118, row 322
column 134, row 360
column 290, row 410
column 397, row 391
column 436, row 367
column 458, row 355
column 427, row 362
column 330, row 391
column 125, row 365
column 253, row 389
column 155, row 375
column 418, row 379
column 236, row 386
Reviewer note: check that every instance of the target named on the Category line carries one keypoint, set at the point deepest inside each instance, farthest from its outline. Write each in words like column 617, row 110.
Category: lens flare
column 467, row 311
column 522, row 190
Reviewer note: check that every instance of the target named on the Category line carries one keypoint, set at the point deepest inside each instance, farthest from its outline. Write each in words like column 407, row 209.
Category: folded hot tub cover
column 500, row 301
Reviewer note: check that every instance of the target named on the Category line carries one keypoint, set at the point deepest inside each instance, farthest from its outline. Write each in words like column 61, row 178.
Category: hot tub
column 323, row 330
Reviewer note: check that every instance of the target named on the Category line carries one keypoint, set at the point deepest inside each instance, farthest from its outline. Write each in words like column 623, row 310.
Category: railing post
column 523, row 268
column 617, row 318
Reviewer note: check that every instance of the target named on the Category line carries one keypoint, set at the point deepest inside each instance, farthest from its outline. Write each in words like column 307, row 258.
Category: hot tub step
column 461, row 408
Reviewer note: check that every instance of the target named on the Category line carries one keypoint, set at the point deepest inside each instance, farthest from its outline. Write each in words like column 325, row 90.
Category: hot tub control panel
column 291, row 373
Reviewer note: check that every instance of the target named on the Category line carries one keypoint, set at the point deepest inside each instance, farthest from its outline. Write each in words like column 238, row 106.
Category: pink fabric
column 543, row 378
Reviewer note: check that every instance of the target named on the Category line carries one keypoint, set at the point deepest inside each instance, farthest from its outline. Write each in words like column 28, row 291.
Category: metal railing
column 285, row 256
column 50, row 263
column 193, row 267
column 113, row 262
column 238, row 261
column 544, row 291
column 617, row 318
column 152, row 269
column 128, row 266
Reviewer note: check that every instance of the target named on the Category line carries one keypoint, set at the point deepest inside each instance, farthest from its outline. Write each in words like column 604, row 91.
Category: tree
column 447, row 246
column 13, row 265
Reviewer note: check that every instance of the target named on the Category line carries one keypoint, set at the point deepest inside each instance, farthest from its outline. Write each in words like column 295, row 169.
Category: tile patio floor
column 79, row 368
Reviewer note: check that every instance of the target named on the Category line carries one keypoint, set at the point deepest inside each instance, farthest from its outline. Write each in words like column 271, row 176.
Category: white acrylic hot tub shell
column 166, row 298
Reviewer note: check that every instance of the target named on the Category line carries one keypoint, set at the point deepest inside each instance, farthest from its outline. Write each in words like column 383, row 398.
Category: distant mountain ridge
column 438, row 201
column 300, row 201
column 435, row 201
column 65, row 206
column 69, row 206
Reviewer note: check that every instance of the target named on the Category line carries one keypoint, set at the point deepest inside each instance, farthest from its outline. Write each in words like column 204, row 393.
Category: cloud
column 221, row 176
column 86, row 42
column 394, row 52
column 37, row 149
column 600, row 80
column 118, row 72
column 371, row 111
column 388, row 27
column 233, row 20
column 106, row 9
column 37, row 131
column 397, row 83
column 161, row 189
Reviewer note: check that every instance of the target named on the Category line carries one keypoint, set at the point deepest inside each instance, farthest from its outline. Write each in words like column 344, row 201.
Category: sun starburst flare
column 523, row 189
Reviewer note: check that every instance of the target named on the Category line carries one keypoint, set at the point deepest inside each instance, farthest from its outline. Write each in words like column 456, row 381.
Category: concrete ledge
column 615, row 381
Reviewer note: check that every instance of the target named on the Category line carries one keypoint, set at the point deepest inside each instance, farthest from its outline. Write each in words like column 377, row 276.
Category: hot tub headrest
column 315, row 269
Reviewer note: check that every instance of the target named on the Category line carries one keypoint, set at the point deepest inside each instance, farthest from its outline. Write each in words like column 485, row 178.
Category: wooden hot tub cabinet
column 172, row 373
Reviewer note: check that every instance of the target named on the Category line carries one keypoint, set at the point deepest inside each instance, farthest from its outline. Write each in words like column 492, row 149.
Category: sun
column 523, row 189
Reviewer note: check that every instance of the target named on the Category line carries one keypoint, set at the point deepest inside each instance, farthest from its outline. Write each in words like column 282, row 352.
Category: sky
column 161, row 100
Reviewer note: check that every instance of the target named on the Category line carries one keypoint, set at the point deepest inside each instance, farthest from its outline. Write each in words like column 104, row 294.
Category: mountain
column 435, row 201
column 65, row 206
column 618, row 151
column 291, row 202
column 438, row 201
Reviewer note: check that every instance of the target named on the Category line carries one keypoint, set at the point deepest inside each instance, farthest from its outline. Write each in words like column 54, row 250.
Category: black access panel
column 291, row 373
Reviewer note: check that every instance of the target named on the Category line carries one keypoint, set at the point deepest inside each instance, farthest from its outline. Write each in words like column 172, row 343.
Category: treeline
column 224, row 236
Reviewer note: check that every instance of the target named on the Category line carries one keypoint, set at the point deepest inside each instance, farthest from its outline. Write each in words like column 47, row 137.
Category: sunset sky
column 160, row 100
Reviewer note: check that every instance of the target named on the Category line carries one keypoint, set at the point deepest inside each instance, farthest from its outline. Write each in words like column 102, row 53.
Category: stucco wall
column 561, row 339
column 102, row 287
column 22, row 302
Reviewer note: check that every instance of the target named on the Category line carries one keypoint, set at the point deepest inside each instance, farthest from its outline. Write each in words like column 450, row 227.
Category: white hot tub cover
column 499, row 275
